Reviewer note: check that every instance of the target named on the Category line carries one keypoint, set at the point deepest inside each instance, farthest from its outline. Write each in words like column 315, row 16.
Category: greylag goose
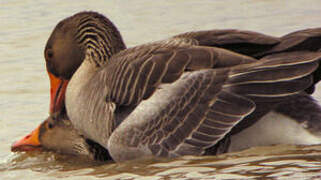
column 186, row 95
column 58, row 134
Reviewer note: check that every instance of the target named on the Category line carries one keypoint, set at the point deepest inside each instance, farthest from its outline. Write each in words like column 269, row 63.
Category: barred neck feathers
column 76, row 37
column 99, row 37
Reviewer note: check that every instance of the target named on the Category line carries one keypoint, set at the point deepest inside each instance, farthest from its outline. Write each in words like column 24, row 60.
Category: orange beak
column 57, row 101
column 28, row 143
column 57, row 93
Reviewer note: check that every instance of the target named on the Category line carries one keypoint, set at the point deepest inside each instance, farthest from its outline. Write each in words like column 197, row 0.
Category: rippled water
column 24, row 90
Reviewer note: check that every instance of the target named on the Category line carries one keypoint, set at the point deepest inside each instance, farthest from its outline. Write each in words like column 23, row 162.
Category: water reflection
column 268, row 162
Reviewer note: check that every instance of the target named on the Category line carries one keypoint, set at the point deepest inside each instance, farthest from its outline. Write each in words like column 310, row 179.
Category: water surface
column 24, row 91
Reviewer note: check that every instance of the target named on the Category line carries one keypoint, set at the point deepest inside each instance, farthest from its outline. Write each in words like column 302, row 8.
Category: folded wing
column 189, row 104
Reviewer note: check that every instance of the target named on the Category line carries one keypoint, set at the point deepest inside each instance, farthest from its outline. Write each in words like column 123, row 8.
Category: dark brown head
column 57, row 134
column 71, row 40
column 72, row 37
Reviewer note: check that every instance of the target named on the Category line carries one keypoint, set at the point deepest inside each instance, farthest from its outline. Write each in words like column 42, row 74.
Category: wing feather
column 189, row 98
column 194, row 112
column 243, row 42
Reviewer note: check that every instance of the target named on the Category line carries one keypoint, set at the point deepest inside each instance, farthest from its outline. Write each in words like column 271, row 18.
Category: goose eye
column 50, row 125
column 49, row 54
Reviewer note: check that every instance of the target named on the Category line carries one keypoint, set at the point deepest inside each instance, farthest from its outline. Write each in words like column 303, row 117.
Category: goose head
column 85, row 33
column 74, row 38
column 57, row 134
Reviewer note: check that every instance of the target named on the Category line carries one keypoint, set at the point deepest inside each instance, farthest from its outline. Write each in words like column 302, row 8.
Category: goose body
column 185, row 95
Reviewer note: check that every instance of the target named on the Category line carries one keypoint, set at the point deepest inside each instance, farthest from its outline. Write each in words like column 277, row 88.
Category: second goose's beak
column 28, row 143
column 57, row 93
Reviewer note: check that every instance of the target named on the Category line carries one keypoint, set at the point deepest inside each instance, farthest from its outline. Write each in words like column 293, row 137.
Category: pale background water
column 24, row 90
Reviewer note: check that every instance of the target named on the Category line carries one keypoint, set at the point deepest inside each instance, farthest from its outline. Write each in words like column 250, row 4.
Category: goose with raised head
column 186, row 95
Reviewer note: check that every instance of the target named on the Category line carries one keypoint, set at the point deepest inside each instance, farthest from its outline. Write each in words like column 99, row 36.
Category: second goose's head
column 57, row 134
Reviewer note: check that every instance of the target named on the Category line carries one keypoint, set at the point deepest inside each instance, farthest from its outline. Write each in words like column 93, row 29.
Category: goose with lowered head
column 186, row 95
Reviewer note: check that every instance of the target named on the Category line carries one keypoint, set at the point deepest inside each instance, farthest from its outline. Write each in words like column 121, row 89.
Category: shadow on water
column 281, row 161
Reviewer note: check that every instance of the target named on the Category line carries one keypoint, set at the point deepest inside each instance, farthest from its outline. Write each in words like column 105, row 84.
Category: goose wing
column 134, row 75
column 187, row 98
column 303, row 41
column 259, row 45
column 244, row 42
column 262, row 107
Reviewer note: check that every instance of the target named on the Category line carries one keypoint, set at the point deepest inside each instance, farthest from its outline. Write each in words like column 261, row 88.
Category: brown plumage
column 179, row 96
